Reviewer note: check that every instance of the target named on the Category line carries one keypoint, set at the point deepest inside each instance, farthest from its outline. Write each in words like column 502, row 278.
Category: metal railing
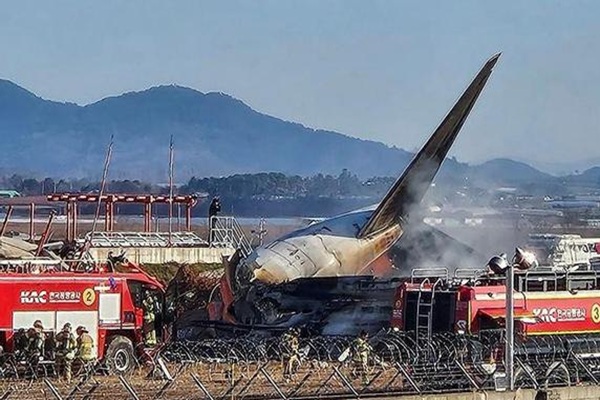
column 31, row 266
column 145, row 239
column 432, row 273
column 468, row 273
column 227, row 232
column 34, row 266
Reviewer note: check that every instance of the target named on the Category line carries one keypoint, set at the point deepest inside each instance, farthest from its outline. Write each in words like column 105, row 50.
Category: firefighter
column 21, row 343
column 34, row 346
column 35, row 341
column 361, row 350
column 115, row 261
column 66, row 345
column 85, row 346
column 148, row 305
column 291, row 351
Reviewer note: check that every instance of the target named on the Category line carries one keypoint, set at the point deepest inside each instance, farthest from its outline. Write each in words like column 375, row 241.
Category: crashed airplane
column 334, row 276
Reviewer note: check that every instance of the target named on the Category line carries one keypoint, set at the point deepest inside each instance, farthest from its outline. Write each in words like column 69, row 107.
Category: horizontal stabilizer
column 410, row 188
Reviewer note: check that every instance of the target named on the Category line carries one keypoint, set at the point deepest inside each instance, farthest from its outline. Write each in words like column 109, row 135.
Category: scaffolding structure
column 145, row 239
column 72, row 202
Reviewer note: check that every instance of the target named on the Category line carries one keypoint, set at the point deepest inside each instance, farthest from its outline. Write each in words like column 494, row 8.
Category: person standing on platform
column 213, row 210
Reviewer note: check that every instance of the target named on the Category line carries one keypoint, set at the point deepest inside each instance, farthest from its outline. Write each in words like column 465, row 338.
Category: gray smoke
column 423, row 246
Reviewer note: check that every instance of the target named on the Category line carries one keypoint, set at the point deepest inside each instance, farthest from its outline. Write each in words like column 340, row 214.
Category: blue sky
column 382, row 70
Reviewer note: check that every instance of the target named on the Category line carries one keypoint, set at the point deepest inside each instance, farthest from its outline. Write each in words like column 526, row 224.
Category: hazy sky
column 382, row 70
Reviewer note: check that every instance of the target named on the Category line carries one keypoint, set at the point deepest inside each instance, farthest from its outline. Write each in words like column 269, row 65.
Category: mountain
column 215, row 134
column 562, row 168
column 589, row 177
column 508, row 172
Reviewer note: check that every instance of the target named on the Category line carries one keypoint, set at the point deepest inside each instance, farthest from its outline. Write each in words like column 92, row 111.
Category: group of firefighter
column 68, row 348
column 359, row 352
column 30, row 346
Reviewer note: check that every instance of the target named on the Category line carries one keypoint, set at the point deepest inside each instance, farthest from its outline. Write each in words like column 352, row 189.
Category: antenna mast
column 170, row 189
column 102, row 186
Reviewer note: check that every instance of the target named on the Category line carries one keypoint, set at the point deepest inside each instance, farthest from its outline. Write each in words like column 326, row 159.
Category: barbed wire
column 253, row 367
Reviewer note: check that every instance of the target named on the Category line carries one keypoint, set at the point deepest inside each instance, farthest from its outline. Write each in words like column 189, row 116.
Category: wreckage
column 336, row 275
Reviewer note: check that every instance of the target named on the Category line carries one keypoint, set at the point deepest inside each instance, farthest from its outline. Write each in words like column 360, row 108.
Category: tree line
column 28, row 186
column 275, row 186
column 253, row 195
column 262, row 194
column 261, row 186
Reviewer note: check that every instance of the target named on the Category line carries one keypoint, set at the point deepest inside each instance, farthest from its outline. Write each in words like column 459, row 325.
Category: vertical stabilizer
column 410, row 188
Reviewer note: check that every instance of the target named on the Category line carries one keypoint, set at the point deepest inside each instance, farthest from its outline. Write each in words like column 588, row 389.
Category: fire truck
column 566, row 250
column 547, row 301
column 107, row 303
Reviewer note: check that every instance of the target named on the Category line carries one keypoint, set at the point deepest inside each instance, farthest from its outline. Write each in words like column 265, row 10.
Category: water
column 196, row 221
column 245, row 221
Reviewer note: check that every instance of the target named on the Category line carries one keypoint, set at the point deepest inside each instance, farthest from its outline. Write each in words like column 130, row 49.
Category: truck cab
column 109, row 304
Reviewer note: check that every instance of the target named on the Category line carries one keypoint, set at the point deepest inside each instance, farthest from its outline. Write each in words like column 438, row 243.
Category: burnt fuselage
column 329, row 306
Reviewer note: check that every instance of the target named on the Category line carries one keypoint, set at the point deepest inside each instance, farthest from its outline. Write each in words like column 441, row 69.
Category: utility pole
column 171, row 191
column 509, row 355
column 102, row 187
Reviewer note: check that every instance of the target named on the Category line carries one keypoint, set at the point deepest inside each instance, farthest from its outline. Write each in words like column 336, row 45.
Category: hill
column 215, row 134
column 589, row 177
column 508, row 172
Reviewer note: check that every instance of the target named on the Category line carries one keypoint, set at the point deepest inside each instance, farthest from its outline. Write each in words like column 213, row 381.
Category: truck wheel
column 120, row 355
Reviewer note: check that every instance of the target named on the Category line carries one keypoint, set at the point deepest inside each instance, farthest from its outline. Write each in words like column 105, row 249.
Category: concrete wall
column 157, row 255
column 567, row 393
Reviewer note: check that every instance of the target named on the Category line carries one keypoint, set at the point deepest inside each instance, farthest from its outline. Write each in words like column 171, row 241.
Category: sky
column 381, row 70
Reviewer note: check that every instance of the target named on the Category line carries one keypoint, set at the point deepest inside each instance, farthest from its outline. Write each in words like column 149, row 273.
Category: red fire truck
column 108, row 304
column 546, row 302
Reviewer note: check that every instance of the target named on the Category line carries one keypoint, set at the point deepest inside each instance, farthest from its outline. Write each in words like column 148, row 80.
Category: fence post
column 201, row 386
column 163, row 389
column 129, row 388
column 243, row 389
column 345, row 381
column 82, row 381
column 408, row 377
column 53, row 389
column 89, row 393
column 272, row 382
column 302, row 382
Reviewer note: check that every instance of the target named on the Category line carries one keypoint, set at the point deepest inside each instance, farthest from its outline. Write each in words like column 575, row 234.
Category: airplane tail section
column 410, row 188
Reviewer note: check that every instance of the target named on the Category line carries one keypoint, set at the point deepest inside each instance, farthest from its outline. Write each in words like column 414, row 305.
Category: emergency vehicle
column 547, row 301
column 107, row 303
column 565, row 250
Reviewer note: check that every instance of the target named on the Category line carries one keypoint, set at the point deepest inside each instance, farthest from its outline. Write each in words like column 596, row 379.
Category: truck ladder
column 425, row 303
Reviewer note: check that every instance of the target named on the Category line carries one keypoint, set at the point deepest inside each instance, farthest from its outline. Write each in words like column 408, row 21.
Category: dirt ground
column 220, row 380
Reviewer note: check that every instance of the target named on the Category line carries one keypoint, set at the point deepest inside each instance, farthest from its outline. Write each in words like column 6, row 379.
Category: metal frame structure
column 145, row 239
column 73, row 200
column 225, row 231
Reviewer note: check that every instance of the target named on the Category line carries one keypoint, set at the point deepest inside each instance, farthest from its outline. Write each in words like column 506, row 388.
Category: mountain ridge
column 215, row 134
